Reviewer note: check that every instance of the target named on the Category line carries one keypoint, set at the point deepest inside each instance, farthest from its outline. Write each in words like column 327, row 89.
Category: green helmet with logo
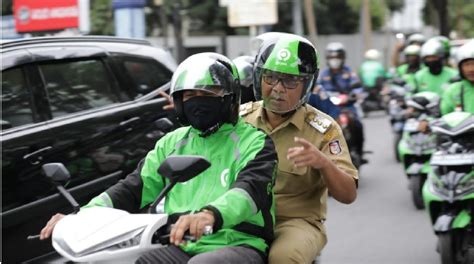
column 210, row 72
column 464, row 53
column 290, row 55
column 432, row 47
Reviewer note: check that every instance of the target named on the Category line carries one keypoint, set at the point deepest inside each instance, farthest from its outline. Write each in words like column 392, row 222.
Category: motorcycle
column 108, row 235
column 448, row 192
column 394, row 96
column 415, row 149
column 347, row 121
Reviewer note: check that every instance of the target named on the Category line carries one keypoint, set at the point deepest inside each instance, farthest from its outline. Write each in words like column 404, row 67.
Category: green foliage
column 102, row 21
column 459, row 15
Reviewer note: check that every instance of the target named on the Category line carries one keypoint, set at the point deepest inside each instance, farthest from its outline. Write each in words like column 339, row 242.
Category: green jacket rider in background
column 234, row 195
column 371, row 72
column 460, row 95
column 435, row 77
column 413, row 64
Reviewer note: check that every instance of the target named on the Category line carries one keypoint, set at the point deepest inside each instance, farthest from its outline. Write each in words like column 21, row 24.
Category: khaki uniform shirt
column 302, row 192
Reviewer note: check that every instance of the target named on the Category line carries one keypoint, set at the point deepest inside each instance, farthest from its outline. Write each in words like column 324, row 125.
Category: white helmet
column 372, row 54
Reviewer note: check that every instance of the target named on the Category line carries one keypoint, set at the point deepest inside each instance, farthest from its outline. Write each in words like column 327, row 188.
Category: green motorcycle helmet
column 210, row 72
column 425, row 103
column 464, row 53
column 432, row 47
column 290, row 55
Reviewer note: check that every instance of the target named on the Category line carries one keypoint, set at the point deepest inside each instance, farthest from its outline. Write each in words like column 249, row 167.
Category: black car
column 91, row 103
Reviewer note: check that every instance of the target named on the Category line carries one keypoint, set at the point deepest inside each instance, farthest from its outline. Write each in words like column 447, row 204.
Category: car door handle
column 37, row 156
column 130, row 122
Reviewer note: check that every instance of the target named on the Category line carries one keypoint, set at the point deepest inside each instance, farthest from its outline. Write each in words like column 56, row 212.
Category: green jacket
column 458, row 97
column 371, row 72
column 238, row 187
column 425, row 81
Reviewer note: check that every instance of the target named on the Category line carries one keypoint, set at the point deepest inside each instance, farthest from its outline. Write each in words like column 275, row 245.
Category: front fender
column 448, row 222
column 443, row 223
column 415, row 168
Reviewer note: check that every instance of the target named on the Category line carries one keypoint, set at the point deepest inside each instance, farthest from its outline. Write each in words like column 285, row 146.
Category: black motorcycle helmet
column 209, row 72
column 244, row 66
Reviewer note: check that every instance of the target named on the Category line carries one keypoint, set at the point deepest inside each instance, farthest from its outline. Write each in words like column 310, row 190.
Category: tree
column 102, row 18
column 459, row 16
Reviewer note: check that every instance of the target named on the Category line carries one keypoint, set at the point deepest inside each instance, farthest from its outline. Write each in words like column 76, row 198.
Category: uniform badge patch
column 318, row 122
column 335, row 147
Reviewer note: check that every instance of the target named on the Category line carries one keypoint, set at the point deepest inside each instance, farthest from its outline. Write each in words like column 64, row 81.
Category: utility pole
column 297, row 18
column 366, row 25
column 177, row 25
column 310, row 20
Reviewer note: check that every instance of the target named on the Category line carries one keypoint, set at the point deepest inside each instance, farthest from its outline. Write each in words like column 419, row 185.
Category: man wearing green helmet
column 234, row 195
column 313, row 155
column 435, row 77
column 460, row 95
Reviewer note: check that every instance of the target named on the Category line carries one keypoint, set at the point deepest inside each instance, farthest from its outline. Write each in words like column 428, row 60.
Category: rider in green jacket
column 435, row 77
column 460, row 95
column 234, row 195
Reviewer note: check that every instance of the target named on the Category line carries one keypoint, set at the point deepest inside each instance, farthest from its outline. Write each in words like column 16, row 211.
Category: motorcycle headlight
column 466, row 184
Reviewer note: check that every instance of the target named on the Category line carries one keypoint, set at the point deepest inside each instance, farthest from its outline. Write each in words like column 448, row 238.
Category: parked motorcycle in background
column 417, row 143
column 448, row 192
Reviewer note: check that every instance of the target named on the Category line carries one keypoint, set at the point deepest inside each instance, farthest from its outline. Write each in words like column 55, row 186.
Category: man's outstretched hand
column 170, row 104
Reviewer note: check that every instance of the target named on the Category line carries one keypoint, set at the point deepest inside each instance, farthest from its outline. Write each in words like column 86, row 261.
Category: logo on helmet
column 283, row 55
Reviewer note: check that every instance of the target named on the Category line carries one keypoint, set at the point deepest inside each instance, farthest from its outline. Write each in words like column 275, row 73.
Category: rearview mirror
column 56, row 172
column 183, row 168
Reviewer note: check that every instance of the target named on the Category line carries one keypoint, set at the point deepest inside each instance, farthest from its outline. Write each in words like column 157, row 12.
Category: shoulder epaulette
column 318, row 121
column 247, row 108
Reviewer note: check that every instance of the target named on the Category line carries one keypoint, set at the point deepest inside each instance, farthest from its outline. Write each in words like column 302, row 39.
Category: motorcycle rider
column 413, row 64
column 372, row 74
column 460, row 95
column 414, row 39
column 244, row 66
column 313, row 154
column 234, row 195
column 339, row 77
column 435, row 77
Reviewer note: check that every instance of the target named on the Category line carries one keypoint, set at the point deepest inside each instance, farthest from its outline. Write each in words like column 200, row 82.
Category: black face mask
column 435, row 67
column 203, row 112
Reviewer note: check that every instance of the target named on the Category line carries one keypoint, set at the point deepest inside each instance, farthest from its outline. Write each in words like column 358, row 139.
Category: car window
column 16, row 104
column 146, row 75
column 75, row 86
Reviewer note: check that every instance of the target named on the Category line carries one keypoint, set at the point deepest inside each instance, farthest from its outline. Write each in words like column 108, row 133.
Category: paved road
column 382, row 226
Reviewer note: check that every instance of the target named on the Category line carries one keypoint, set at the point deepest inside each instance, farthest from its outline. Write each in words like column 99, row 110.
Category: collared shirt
column 302, row 192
